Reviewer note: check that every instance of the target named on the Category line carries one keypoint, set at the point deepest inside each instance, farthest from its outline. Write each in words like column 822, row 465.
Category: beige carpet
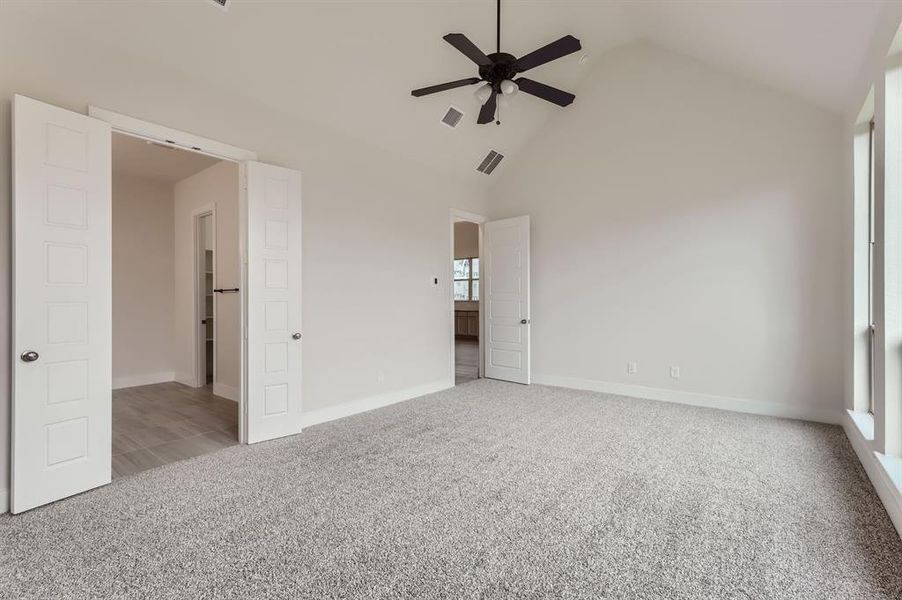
column 489, row 490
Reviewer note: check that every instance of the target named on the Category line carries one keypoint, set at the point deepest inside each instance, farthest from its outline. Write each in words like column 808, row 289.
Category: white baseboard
column 185, row 379
column 773, row 409
column 875, row 465
column 228, row 392
column 4, row 501
column 148, row 379
column 346, row 409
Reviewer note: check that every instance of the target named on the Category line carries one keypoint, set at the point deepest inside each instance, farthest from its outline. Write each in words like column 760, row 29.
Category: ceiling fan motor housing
column 503, row 67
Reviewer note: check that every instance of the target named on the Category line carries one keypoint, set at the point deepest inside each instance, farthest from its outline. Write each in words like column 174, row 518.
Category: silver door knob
column 524, row 321
column 29, row 356
column 295, row 336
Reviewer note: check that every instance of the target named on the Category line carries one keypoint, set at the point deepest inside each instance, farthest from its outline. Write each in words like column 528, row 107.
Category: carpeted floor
column 489, row 490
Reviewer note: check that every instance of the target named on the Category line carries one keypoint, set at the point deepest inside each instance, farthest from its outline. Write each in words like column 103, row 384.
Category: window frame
column 872, row 329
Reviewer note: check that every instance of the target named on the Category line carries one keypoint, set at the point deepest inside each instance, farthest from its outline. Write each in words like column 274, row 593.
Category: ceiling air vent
column 489, row 163
column 452, row 117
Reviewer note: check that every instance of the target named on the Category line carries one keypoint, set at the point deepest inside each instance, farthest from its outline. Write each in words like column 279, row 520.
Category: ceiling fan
column 498, row 70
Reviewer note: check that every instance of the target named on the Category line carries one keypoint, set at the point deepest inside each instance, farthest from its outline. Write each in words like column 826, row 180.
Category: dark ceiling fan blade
column 468, row 48
column 445, row 86
column 487, row 112
column 553, row 51
column 545, row 92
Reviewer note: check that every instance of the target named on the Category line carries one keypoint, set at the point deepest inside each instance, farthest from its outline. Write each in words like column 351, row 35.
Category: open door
column 505, row 266
column 61, row 331
column 273, row 312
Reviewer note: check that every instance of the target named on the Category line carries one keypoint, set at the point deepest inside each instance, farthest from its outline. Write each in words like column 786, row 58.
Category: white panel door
column 61, row 409
column 505, row 268
column 273, row 320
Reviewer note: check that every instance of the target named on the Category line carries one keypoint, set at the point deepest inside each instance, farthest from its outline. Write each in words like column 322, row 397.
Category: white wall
column 685, row 217
column 142, row 280
column 375, row 225
column 215, row 186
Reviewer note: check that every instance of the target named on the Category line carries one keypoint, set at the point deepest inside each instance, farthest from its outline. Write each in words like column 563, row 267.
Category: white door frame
column 187, row 141
column 170, row 137
column 458, row 216
column 200, row 302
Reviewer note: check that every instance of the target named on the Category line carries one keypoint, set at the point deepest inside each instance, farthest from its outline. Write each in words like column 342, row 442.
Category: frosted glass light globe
column 483, row 92
column 509, row 88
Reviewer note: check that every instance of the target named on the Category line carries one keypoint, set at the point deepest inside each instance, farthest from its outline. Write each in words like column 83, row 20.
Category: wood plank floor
column 158, row 424
column 466, row 360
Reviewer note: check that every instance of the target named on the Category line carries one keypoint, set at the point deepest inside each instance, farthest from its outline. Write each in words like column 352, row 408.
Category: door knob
column 295, row 336
column 524, row 321
column 29, row 356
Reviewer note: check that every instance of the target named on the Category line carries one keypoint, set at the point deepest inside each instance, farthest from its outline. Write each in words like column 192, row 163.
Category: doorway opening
column 206, row 270
column 175, row 341
column 466, row 297
column 63, row 314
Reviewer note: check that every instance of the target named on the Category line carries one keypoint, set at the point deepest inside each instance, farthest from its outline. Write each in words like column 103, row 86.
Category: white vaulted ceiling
column 809, row 48
column 351, row 65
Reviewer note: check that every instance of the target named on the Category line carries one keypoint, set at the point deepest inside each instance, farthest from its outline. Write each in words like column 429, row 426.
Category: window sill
column 885, row 472
column 864, row 421
column 892, row 466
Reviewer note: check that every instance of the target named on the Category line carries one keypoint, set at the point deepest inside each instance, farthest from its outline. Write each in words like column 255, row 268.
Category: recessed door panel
column 507, row 322
column 273, row 318
column 61, row 408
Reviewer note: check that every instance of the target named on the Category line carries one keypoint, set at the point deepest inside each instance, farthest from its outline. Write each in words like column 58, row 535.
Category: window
column 466, row 279
column 871, row 239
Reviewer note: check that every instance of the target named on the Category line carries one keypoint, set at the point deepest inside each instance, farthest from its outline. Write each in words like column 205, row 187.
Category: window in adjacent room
column 466, row 279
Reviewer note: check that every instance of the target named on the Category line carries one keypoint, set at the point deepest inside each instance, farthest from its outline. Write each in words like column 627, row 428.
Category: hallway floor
column 466, row 360
column 166, row 422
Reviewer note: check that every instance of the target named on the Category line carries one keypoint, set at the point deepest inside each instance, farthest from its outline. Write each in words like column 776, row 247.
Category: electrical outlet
column 675, row 372
column 380, row 376
column 632, row 367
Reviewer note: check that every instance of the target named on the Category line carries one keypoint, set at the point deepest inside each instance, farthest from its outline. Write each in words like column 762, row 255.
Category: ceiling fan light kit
column 483, row 92
column 500, row 71
column 509, row 88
